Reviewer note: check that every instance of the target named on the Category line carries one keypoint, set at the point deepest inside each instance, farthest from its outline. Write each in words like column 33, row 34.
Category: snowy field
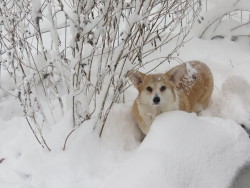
column 182, row 150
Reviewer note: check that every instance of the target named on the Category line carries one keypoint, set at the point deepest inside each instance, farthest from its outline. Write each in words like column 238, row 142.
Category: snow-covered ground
column 181, row 150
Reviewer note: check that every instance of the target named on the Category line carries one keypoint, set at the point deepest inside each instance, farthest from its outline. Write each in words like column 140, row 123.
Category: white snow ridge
column 186, row 151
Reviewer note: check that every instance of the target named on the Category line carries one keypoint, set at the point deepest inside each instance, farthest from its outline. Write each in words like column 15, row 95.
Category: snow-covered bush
column 225, row 19
column 74, row 56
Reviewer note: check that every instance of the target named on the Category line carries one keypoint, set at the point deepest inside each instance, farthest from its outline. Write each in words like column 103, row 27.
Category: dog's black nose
column 156, row 99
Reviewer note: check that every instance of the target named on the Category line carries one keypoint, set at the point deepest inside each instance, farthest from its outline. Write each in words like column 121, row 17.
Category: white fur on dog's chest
column 149, row 112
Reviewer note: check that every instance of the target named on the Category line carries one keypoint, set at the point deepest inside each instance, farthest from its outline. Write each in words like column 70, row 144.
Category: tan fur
column 189, row 88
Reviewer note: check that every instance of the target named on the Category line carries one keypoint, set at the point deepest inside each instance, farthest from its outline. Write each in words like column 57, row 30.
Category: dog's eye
column 149, row 89
column 163, row 88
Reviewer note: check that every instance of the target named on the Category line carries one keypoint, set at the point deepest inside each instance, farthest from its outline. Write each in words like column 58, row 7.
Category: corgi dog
column 186, row 87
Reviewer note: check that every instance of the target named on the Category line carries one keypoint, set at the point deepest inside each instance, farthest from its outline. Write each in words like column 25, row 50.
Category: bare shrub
column 74, row 55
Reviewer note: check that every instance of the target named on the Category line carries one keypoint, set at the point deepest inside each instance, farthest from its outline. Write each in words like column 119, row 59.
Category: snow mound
column 121, row 131
column 183, row 150
column 232, row 101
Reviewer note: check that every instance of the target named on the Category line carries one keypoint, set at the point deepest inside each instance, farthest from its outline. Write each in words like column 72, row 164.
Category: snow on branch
column 229, row 19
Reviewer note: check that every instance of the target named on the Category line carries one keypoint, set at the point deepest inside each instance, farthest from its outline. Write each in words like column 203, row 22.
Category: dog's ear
column 136, row 78
column 172, row 77
column 175, row 74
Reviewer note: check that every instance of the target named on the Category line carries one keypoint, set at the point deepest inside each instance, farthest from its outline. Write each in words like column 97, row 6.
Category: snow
column 183, row 152
column 181, row 149
column 190, row 70
column 128, row 135
column 214, row 17
column 234, row 95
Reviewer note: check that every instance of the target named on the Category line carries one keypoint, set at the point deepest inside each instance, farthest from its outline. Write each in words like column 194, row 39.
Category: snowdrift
column 183, row 150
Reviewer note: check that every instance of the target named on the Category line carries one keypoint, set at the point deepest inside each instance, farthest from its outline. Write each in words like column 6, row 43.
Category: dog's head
column 154, row 89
